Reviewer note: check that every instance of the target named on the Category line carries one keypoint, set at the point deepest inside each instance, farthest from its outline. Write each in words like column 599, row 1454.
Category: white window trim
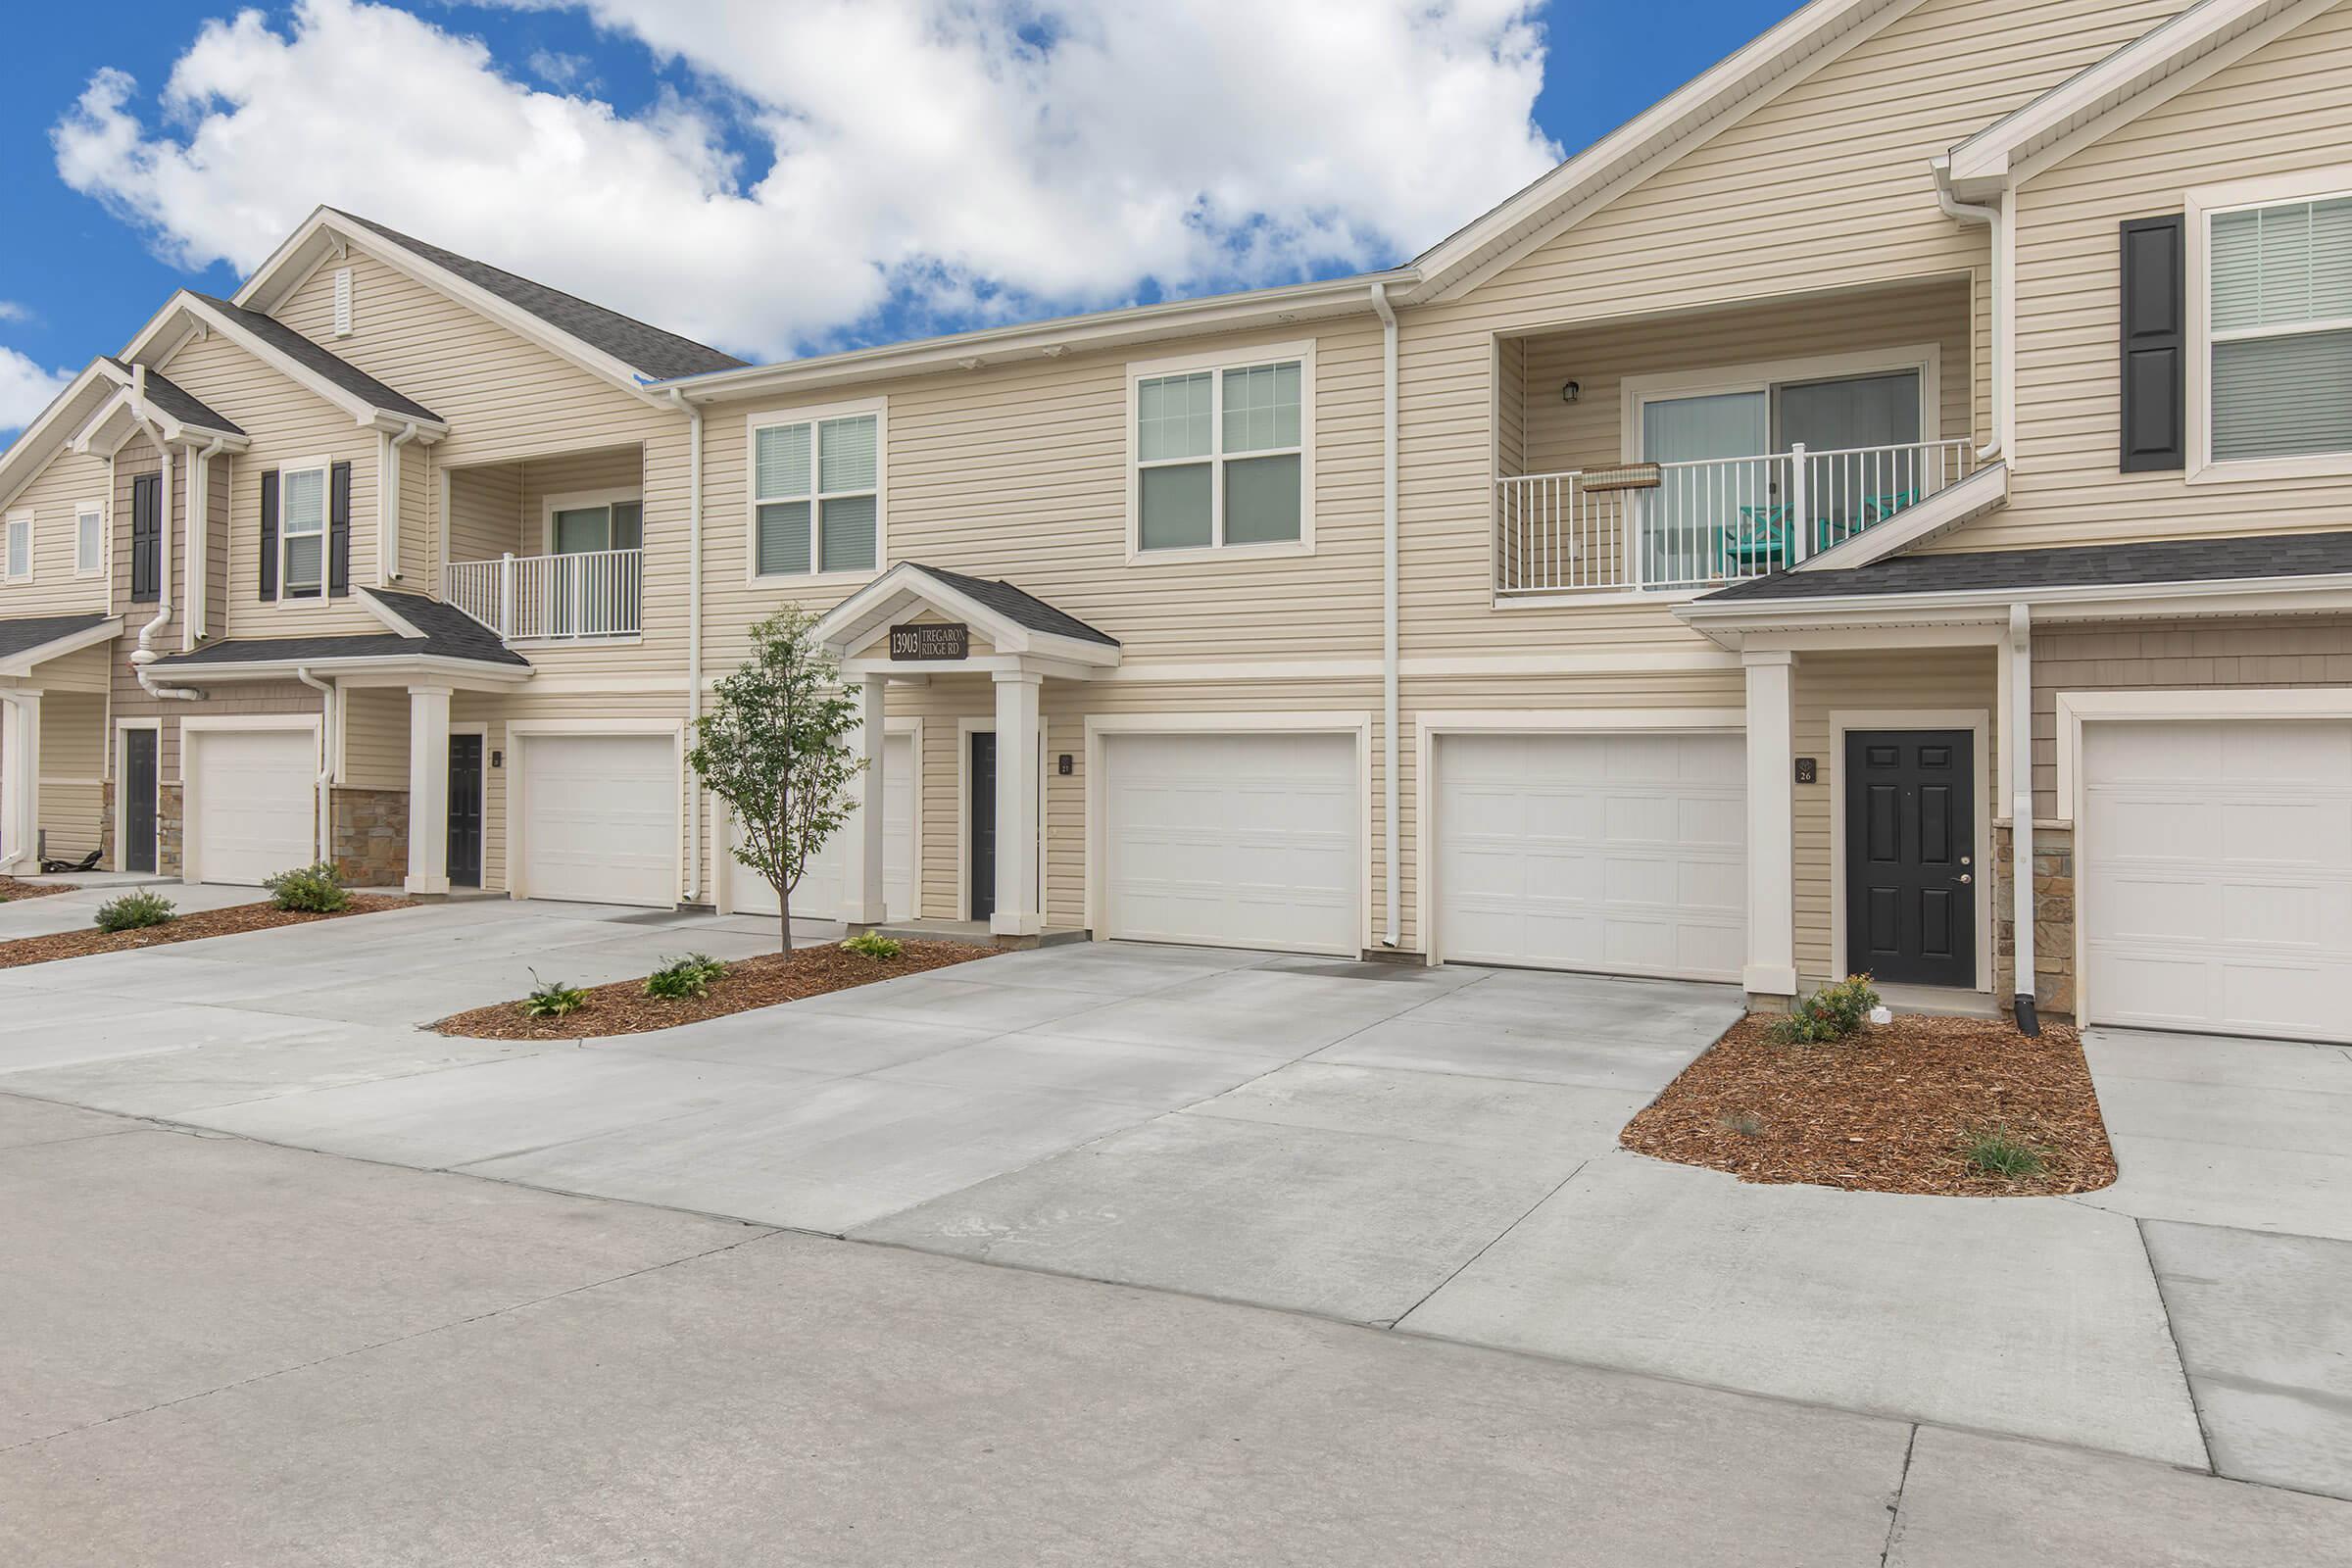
column 585, row 499
column 8, row 553
column 1761, row 376
column 326, row 533
column 2201, row 206
column 813, row 415
column 1141, row 371
column 97, row 509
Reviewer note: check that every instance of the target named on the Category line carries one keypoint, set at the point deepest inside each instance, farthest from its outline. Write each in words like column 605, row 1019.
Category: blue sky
column 702, row 169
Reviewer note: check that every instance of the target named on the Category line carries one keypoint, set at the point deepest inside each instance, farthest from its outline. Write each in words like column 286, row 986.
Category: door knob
column 1965, row 877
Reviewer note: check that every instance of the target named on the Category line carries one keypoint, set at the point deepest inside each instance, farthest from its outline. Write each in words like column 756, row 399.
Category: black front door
column 138, row 800
column 981, row 812
column 1910, row 856
column 466, row 810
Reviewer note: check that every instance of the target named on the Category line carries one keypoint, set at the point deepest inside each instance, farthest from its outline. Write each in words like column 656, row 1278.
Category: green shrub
column 1745, row 1125
column 553, row 999
column 680, row 978
column 1999, row 1151
column 1830, row 1014
column 135, row 911
column 876, row 945
column 308, row 890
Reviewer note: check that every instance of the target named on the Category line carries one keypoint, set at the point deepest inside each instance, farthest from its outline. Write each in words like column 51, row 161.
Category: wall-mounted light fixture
column 1570, row 392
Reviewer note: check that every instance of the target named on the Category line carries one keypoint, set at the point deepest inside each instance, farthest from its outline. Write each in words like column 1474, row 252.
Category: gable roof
column 183, row 405
column 2160, row 62
column 1021, row 607
column 1016, row 622
column 33, row 639
column 657, row 355
column 55, row 426
column 321, row 362
column 424, row 629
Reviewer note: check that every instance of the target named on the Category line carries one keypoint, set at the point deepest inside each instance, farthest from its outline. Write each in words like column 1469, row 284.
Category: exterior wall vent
column 343, row 302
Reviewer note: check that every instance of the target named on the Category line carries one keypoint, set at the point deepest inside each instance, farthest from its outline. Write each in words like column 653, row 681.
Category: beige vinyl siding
column 66, row 484
column 1590, row 432
column 543, row 478
column 1824, row 187
column 289, row 425
column 507, row 400
column 2280, row 109
column 375, row 738
column 1020, row 471
column 485, row 512
column 72, row 765
column 2160, row 657
column 220, row 522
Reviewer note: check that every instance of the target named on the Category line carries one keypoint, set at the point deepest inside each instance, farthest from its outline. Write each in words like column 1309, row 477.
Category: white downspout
column 2020, row 740
column 330, row 720
column 694, row 635
column 1391, row 793
column 1992, row 215
column 145, row 654
column 388, row 569
column 199, row 540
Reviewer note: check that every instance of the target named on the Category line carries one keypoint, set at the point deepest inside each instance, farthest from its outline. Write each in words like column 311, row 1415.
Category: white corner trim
column 1931, row 519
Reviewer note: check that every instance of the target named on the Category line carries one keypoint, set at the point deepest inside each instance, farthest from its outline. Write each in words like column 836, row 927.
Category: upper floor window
column 1222, row 453
column 20, row 547
column 89, row 541
column 2280, row 329
column 816, row 491
column 302, row 531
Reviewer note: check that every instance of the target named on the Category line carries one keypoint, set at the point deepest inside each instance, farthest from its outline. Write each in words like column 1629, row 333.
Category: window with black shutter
column 146, row 538
column 2155, row 395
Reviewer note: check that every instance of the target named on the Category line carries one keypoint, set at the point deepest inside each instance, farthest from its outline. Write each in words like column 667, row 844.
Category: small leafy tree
column 774, row 748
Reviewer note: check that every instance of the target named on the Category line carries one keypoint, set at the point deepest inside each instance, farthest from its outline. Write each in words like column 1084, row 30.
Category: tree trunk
column 784, row 916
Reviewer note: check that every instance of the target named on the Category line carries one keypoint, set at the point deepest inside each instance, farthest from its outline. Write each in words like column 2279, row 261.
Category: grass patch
column 1999, row 1151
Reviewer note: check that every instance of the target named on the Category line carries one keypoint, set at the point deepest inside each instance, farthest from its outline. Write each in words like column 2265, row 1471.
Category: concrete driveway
column 1429, row 1149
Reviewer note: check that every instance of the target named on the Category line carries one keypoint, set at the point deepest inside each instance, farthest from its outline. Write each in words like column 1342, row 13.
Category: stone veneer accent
column 167, row 830
column 371, row 837
column 2053, row 918
column 106, row 825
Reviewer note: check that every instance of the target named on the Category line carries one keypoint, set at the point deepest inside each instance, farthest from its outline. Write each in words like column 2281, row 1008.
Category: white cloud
column 958, row 158
column 25, row 389
column 11, row 311
column 559, row 70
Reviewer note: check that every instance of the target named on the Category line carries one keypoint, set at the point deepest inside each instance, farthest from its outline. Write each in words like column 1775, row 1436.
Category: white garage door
column 256, row 802
column 818, row 897
column 1622, row 854
column 1238, row 841
column 2216, row 876
column 599, row 818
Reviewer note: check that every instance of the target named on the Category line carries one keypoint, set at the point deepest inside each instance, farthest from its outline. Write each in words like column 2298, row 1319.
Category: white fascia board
column 2196, row 599
column 101, row 429
column 1931, row 518
column 998, row 345
column 53, row 429
column 1988, row 157
column 21, row 665
column 170, row 326
column 461, row 671
column 850, row 625
column 1679, row 119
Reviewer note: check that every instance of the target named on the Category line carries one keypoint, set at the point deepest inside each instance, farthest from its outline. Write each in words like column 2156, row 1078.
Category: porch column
column 1771, row 968
column 20, row 781
column 1017, row 914
column 861, row 901
column 429, row 790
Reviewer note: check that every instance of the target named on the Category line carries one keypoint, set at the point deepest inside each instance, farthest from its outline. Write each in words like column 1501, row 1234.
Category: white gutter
column 330, row 720
column 1392, row 795
column 145, row 654
column 2020, row 742
column 2003, row 259
column 694, row 635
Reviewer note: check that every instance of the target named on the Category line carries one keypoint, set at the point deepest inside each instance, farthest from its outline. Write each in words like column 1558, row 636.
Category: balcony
column 1693, row 525
column 594, row 595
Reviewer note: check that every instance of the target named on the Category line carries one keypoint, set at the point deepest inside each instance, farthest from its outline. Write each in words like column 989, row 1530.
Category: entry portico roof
column 422, row 637
column 36, row 639
column 1015, row 622
column 2290, row 555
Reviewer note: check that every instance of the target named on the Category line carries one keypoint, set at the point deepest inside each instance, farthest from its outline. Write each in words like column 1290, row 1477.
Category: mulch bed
column 623, row 1008
column 10, row 889
column 1885, row 1111
column 185, row 928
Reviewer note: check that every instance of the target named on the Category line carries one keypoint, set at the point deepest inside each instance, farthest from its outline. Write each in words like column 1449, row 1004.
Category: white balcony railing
column 598, row 593
column 1689, row 525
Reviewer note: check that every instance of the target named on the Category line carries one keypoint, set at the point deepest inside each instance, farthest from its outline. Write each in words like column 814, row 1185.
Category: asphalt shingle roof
column 2291, row 555
column 333, row 367
column 652, row 352
column 449, row 633
column 180, row 403
column 35, row 631
column 1024, row 607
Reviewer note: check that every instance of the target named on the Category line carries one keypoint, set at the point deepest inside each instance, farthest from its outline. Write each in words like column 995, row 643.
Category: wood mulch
column 181, row 928
column 13, row 889
column 623, row 1008
column 1885, row 1111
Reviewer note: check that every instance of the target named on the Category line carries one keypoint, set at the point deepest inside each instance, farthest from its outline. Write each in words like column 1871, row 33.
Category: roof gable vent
column 342, row 301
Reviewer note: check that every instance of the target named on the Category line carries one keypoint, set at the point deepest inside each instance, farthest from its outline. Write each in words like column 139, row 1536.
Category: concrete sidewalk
column 401, row 1366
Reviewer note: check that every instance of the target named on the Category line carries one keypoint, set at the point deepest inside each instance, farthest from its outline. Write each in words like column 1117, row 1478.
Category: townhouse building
column 1883, row 508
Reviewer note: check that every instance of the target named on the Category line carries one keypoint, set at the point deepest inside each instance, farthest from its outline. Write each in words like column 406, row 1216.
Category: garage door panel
column 599, row 818
column 256, row 803
column 1233, row 840
column 1591, row 852
column 2216, row 876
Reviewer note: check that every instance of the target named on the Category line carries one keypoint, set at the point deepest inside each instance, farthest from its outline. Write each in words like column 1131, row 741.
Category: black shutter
column 146, row 538
column 269, row 535
column 339, row 531
column 2155, row 333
